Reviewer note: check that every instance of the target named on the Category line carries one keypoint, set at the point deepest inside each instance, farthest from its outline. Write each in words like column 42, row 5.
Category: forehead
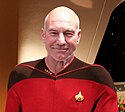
column 61, row 25
column 61, row 20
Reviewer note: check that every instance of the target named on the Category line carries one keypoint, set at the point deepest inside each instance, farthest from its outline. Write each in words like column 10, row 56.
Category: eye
column 53, row 33
column 69, row 34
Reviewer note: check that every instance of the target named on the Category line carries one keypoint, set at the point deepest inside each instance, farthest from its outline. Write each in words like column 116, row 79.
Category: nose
column 61, row 39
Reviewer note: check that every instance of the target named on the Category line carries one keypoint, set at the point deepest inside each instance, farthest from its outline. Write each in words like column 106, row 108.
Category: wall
column 8, row 44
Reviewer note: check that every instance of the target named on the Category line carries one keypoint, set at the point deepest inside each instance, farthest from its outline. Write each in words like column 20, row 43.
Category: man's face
column 61, row 38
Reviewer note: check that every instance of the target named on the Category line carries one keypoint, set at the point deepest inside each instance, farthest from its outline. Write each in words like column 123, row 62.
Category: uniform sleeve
column 107, row 101
column 13, row 102
column 19, row 73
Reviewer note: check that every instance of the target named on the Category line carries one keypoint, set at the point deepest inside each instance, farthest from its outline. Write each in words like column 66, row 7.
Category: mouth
column 61, row 49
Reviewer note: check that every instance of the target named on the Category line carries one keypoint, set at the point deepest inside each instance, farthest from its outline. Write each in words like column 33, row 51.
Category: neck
column 56, row 66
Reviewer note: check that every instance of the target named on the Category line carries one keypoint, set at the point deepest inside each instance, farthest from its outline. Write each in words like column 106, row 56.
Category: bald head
column 60, row 14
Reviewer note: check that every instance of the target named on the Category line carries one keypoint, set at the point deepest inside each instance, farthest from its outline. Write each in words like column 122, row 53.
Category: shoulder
column 21, row 72
column 101, row 75
column 94, row 72
column 22, row 68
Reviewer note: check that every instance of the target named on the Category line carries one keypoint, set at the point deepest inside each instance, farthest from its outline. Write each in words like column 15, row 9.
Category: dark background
column 112, row 50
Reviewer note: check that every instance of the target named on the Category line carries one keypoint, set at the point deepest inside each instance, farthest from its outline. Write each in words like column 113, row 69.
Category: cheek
column 72, row 43
column 49, row 41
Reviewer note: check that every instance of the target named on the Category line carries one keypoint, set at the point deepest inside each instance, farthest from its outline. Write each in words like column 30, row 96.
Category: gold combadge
column 79, row 97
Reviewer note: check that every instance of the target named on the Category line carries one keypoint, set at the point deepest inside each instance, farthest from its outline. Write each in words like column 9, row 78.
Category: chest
column 56, row 95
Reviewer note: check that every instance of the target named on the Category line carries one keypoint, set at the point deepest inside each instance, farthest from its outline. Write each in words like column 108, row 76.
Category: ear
column 42, row 34
column 79, row 36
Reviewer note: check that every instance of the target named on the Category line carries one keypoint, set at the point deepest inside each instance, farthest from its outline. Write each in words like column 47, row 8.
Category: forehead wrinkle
column 60, row 28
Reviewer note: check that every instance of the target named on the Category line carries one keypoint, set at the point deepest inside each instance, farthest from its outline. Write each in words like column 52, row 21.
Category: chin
column 62, row 57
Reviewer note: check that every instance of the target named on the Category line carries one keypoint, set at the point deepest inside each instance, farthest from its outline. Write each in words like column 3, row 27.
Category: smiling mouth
column 61, row 49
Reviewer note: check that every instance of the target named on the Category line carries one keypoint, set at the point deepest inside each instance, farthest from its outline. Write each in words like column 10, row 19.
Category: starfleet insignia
column 79, row 97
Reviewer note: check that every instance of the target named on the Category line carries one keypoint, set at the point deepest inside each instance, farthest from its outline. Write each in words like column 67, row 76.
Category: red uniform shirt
column 78, row 88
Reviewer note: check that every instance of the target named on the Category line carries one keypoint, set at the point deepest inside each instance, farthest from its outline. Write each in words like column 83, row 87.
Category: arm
column 107, row 101
column 13, row 103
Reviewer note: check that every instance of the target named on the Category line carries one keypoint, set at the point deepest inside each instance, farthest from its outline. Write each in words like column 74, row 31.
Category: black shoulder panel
column 21, row 72
column 93, row 72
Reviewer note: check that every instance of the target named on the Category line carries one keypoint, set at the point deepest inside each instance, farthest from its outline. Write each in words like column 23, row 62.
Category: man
column 60, row 81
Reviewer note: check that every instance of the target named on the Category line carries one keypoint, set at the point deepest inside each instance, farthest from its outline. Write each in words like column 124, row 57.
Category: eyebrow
column 52, row 30
column 56, row 29
column 70, row 30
